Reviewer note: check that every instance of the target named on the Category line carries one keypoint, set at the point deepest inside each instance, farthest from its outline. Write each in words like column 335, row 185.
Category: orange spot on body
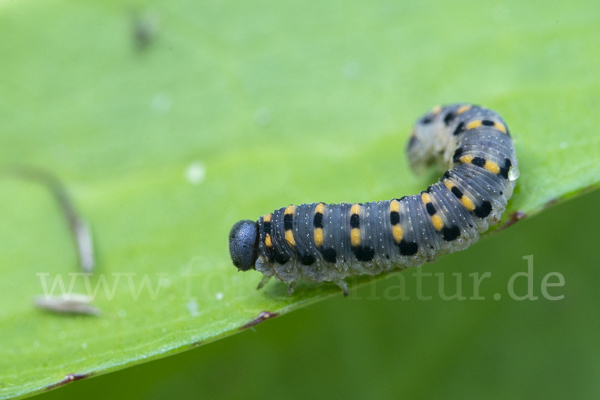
column 318, row 237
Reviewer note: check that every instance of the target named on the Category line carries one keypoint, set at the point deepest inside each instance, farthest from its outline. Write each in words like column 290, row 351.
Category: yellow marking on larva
column 473, row 124
column 438, row 223
column 449, row 184
column 492, row 167
column 466, row 159
column 468, row 203
column 426, row 197
column 355, row 209
column 395, row 206
column 500, row 127
column 320, row 208
column 289, row 237
column 267, row 218
column 397, row 233
column 355, row 237
column 463, row 109
column 268, row 240
column 318, row 237
column 436, row 110
column 290, row 210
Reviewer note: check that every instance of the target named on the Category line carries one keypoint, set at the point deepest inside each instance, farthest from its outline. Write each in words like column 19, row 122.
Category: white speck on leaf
column 71, row 304
column 161, row 103
column 262, row 116
column 195, row 173
column 192, row 307
column 351, row 70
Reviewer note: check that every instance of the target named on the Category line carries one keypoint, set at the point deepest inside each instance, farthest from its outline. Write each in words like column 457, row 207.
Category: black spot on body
column 450, row 233
column 281, row 257
column 427, row 119
column 449, row 118
column 412, row 142
column 459, row 129
column 430, row 209
column 457, row 192
column 354, row 221
column 408, row 248
column 394, row 217
column 267, row 226
column 329, row 254
column 487, row 122
column 457, row 154
column 480, row 162
column 504, row 170
column 363, row 253
column 318, row 221
column 307, row 259
column 483, row 210
column 288, row 221
column 447, row 175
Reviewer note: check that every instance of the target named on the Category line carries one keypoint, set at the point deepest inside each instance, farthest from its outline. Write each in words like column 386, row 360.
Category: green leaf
column 276, row 103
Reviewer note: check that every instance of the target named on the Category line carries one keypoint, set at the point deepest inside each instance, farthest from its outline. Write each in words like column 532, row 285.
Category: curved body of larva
column 328, row 242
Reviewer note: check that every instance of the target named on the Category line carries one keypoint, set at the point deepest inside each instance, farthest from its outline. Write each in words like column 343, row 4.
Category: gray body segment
column 328, row 242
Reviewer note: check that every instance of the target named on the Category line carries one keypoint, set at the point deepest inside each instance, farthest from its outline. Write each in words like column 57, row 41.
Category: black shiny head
column 243, row 244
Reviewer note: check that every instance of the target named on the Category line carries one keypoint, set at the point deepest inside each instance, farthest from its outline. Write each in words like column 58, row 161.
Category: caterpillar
column 328, row 242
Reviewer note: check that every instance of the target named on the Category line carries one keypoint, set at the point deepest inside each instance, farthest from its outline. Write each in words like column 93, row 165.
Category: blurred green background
column 170, row 121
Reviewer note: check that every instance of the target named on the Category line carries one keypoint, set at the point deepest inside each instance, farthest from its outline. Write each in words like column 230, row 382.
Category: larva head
column 243, row 244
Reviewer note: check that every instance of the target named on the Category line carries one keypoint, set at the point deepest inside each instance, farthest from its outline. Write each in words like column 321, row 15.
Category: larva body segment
column 329, row 242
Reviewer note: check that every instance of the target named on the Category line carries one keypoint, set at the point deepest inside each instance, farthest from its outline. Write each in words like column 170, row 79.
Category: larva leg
column 263, row 282
column 343, row 285
column 291, row 288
